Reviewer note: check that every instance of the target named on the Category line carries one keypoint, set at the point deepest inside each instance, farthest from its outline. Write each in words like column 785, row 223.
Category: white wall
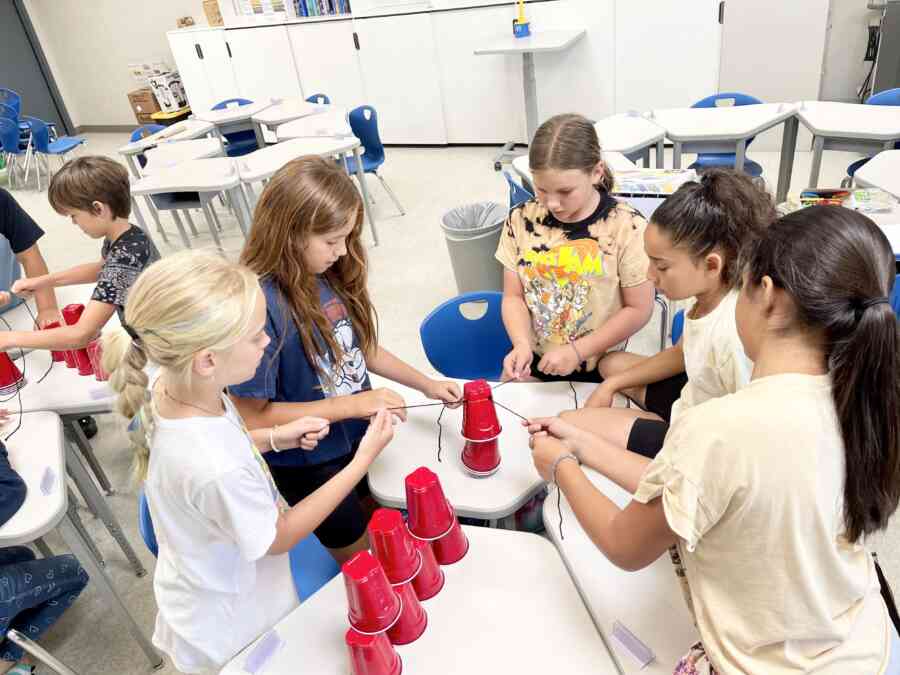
column 89, row 45
column 844, row 68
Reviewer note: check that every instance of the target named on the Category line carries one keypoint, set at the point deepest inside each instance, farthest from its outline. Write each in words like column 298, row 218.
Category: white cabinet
column 401, row 78
column 201, row 57
column 327, row 61
column 263, row 63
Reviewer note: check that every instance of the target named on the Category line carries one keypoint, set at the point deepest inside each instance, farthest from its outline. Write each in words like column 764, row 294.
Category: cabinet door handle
column 228, row 47
column 199, row 51
column 356, row 40
column 722, row 12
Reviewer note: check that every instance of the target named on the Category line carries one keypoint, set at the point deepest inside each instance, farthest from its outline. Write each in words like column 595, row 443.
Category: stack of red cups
column 76, row 358
column 55, row 355
column 431, row 518
column 95, row 354
column 481, row 430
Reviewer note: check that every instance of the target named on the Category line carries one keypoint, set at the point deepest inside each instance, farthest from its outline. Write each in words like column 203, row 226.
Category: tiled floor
column 410, row 274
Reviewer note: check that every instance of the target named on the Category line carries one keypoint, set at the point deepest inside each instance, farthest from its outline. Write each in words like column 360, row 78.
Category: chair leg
column 190, row 220
column 39, row 653
column 391, row 193
column 180, row 226
column 159, row 228
column 210, row 223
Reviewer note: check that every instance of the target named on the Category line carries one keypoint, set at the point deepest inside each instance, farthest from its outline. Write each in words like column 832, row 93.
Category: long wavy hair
column 313, row 196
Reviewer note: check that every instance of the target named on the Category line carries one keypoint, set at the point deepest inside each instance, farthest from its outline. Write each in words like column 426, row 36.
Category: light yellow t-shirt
column 752, row 483
column 714, row 357
column 573, row 273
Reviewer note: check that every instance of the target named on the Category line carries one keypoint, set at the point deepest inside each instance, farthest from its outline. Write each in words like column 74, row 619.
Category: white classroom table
column 633, row 136
column 490, row 498
column 507, row 607
column 540, row 41
column 264, row 163
column 882, row 171
column 169, row 154
column 36, row 453
column 616, row 161
column 848, row 126
column 180, row 131
column 649, row 602
column 233, row 118
column 333, row 122
column 727, row 129
column 18, row 317
column 281, row 111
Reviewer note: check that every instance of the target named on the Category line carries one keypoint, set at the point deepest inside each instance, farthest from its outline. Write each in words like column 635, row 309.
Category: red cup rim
column 416, row 573
column 481, row 440
column 440, row 536
column 387, row 628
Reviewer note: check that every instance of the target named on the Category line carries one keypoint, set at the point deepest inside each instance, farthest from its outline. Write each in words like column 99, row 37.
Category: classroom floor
column 410, row 274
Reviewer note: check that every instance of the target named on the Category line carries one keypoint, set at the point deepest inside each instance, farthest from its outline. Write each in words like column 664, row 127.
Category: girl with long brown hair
column 305, row 245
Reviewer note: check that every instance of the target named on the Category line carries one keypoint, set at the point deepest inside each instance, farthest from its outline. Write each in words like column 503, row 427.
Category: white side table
column 882, row 171
column 632, row 136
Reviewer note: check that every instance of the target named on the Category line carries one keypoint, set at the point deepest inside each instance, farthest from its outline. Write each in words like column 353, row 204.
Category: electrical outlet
column 872, row 46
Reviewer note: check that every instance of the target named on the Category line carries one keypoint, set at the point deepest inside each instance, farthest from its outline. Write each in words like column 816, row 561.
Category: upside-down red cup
column 480, row 421
column 76, row 358
column 430, row 514
column 372, row 654
column 452, row 547
column 56, row 356
column 374, row 606
column 481, row 458
column 95, row 354
column 393, row 546
column 430, row 579
column 413, row 619
column 11, row 378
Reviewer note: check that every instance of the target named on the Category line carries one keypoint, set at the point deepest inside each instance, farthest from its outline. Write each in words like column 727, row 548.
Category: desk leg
column 365, row 192
column 818, row 147
column 786, row 165
column 676, row 155
column 242, row 211
column 159, row 228
column 140, row 218
column 84, row 445
column 79, row 525
column 211, row 224
column 740, row 153
column 661, row 154
column 181, row 230
column 100, row 579
column 258, row 132
column 531, row 109
column 98, row 505
column 42, row 547
column 190, row 222
column 132, row 165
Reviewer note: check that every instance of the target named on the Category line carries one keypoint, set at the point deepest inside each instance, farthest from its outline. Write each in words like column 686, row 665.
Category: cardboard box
column 142, row 71
column 144, row 104
column 169, row 91
column 213, row 15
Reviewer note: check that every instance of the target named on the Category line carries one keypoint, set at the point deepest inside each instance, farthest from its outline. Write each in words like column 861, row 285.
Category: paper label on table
column 98, row 393
column 262, row 653
column 641, row 653
column 48, row 481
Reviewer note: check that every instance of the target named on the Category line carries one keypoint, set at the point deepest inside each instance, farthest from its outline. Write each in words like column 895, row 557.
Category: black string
column 511, row 410
column 574, row 393
column 559, row 509
column 440, row 431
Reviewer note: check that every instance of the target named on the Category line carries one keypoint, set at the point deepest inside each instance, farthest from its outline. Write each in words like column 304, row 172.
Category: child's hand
column 545, row 450
column 557, row 428
column 304, row 432
column 517, row 363
column 5, row 297
column 602, row 396
column 378, row 435
column 25, row 288
column 560, row 361
column 370, row 402
column 444, row 390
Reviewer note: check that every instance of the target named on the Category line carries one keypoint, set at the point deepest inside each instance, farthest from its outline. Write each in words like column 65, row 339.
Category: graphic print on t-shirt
column 348, row 376
column 557, row 286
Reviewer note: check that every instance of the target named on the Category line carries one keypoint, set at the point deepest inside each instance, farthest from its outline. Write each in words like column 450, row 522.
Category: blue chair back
column 145, row 130
column 677, row 326
column 517, row 193
column 12, row 99
column 228, row 101
column 145, row 524
column 895, row 297
column 7, row 112
column 886, row 97
column 736, row 98
column 9, row 137
column 40, row 133
column 469, row 349
column 364, row 123
column 321, row 99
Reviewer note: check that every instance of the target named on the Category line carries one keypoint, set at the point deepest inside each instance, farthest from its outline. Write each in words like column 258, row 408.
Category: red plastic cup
column 392, row 544
column 452, row 547
column 479, row 414
column 11, row 379
column 374, row 606
column 481, row 458
column 430, row 579
column 372, row 654
column 413, row 619
column 95, row 354
column 430, row 515
column 56, row 356
column 71, row 315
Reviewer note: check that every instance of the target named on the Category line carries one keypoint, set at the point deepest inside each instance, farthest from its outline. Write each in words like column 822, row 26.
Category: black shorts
column 647, row 436
column 348, row 521
column 581, row 375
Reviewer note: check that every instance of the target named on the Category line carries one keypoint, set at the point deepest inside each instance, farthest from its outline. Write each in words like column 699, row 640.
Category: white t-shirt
column 714, row 358
column 214, row 510
column 753, row 485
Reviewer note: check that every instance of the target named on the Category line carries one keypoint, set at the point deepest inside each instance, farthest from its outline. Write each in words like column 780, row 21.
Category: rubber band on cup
column 482, row 440
column 440, row 536
column 414, row 574
column 383, row 630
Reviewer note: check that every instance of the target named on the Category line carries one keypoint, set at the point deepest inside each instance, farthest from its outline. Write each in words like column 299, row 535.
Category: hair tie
column 131, row 332
column 865, row 304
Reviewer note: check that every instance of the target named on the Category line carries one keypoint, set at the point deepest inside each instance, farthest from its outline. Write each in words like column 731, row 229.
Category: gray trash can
column 472, row 233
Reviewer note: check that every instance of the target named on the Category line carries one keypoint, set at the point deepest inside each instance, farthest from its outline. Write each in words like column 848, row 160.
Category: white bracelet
column 577, row 353
column 556, row 464
column 272, row 438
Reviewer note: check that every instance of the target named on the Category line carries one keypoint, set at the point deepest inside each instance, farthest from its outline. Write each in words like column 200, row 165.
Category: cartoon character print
column 348, row 376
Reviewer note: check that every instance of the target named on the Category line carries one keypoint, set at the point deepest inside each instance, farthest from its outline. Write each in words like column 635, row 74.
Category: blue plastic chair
column 469, row 349
column 11, row 147
column 142, row 132
column 321, row 99
column 10, row 113
column 364, row 123
column 518, row 194
column 726, row 159
column 677, row 326
column 888, row 97
column 895, row 297
column 40, row 138
column 238, row 142
column 311, row 564
column 12, row 99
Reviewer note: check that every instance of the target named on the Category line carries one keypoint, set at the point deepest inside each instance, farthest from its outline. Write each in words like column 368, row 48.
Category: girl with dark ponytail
column 769, row 493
